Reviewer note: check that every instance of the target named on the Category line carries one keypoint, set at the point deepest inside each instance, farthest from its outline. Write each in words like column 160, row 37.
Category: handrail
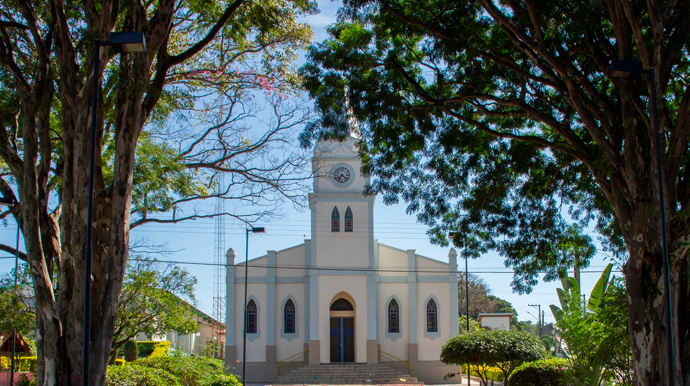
column 289, row 359
column 402, row 362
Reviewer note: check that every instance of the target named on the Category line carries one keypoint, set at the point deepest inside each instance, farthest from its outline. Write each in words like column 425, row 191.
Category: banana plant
column 581, row 328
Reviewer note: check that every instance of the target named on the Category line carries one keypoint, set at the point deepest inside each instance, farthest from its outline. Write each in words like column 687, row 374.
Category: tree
column 169, row 122
column 479, row 296
column 16, row 304
column 503, row 349
column 500, row 122
column 156, row 298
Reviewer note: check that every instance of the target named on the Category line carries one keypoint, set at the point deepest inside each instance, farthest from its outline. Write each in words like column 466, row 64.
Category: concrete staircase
column 346, row 374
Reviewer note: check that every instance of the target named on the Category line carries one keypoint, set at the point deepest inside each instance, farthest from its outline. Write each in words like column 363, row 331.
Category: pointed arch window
column 342, row 305
column 431, row 316
column 348, row 220
column 393, row 317
column 252, row 317
column 335, row 220
column 289, row 317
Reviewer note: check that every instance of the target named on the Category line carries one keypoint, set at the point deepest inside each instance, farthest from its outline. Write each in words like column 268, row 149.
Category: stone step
column 362, row 374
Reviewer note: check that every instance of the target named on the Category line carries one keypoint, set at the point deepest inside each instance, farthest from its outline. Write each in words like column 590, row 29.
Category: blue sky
column 194, row 241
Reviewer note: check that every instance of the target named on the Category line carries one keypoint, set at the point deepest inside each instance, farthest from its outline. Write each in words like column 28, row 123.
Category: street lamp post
column 121, row 42
column 623, row 69
column 246, row 276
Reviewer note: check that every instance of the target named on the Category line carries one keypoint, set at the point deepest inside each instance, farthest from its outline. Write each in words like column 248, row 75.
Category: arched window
column 252, row 317
column 335, row 220
column 393, row 317
column 289, row 317
column 431, row 317
column 342, row 305
column 348, row 220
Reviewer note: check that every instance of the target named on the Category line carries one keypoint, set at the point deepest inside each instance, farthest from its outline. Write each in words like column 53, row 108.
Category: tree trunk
column 647, row 323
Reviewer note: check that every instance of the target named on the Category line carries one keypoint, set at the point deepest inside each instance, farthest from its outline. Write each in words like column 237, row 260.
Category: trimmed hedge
column 21, row 363
column 135, row 375
column 153, row 348
column 547, row 372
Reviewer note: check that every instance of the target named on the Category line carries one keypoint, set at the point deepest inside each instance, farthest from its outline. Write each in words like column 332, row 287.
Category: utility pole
column 539, row 317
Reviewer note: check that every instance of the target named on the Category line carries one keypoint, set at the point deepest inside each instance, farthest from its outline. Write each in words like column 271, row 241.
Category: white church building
column 341, row 296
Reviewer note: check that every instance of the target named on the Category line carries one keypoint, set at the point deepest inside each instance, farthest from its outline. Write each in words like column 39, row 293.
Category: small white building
column 341, row 296
column 495, row 321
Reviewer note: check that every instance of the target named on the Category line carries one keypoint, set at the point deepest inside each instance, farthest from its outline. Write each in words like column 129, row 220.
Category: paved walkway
column 473, row 382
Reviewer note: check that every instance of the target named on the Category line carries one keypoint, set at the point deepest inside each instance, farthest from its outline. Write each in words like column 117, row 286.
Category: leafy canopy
column 503, row 349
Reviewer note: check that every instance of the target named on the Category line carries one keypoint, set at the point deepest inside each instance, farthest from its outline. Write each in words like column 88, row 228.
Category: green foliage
column 547, row 372
column 21, row 363
column 161, row 349
column 503, row 349
column 484, row 372
column 155, row 299
column 130, row 350
column 14, row 303
column 25, row 381
column 135, row 375
column 146, row 347
column 481, row 300
column 192, row 371
column 597, row 337
column 462, row 323
column 149, row 348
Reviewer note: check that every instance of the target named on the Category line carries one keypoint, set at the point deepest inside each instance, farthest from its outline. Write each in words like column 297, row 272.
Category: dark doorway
column 342, row 339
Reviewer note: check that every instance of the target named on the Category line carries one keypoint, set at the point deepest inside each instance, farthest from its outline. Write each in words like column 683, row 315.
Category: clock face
column 341, row 175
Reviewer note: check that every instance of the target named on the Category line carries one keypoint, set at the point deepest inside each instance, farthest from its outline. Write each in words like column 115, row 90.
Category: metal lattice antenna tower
column 219, row 257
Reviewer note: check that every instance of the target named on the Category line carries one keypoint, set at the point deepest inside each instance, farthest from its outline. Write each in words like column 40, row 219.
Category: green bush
column 192, row 371
column 547, row 372
column 491, row 372
column 135, row 375
column 130, row 350
column 161, row 349
column 505, row 350
column 145, row 348
column 149, row 348
column 21, row 363
column 119, row 362
column 28, row 364
column 25, row 381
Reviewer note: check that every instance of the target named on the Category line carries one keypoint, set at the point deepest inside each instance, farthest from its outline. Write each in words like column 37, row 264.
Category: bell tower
column 342, row 217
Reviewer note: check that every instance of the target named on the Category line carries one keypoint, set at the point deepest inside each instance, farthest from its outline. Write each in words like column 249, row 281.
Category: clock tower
column 342, row 225
column 342, row 248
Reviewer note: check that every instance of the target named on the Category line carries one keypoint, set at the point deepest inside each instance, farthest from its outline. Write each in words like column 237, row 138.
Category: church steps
column 362, row 374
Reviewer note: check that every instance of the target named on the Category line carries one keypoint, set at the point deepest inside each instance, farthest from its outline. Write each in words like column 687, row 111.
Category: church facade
column 341, row 296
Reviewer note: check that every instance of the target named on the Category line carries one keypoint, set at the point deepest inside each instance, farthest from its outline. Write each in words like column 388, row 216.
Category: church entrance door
column 342, row 331
column 342, row 340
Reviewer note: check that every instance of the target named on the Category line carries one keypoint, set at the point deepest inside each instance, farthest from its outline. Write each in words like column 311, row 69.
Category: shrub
column 135, row 375
column 145, row 348
column 28, row 364
column 503, row 349
column 192, row 371
column 119, row 362
column 130, row 350
column 161, row 349
column 547, row 372
column 21, row 363
column 490, row 372
column 25, row 381
column 153, row 348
